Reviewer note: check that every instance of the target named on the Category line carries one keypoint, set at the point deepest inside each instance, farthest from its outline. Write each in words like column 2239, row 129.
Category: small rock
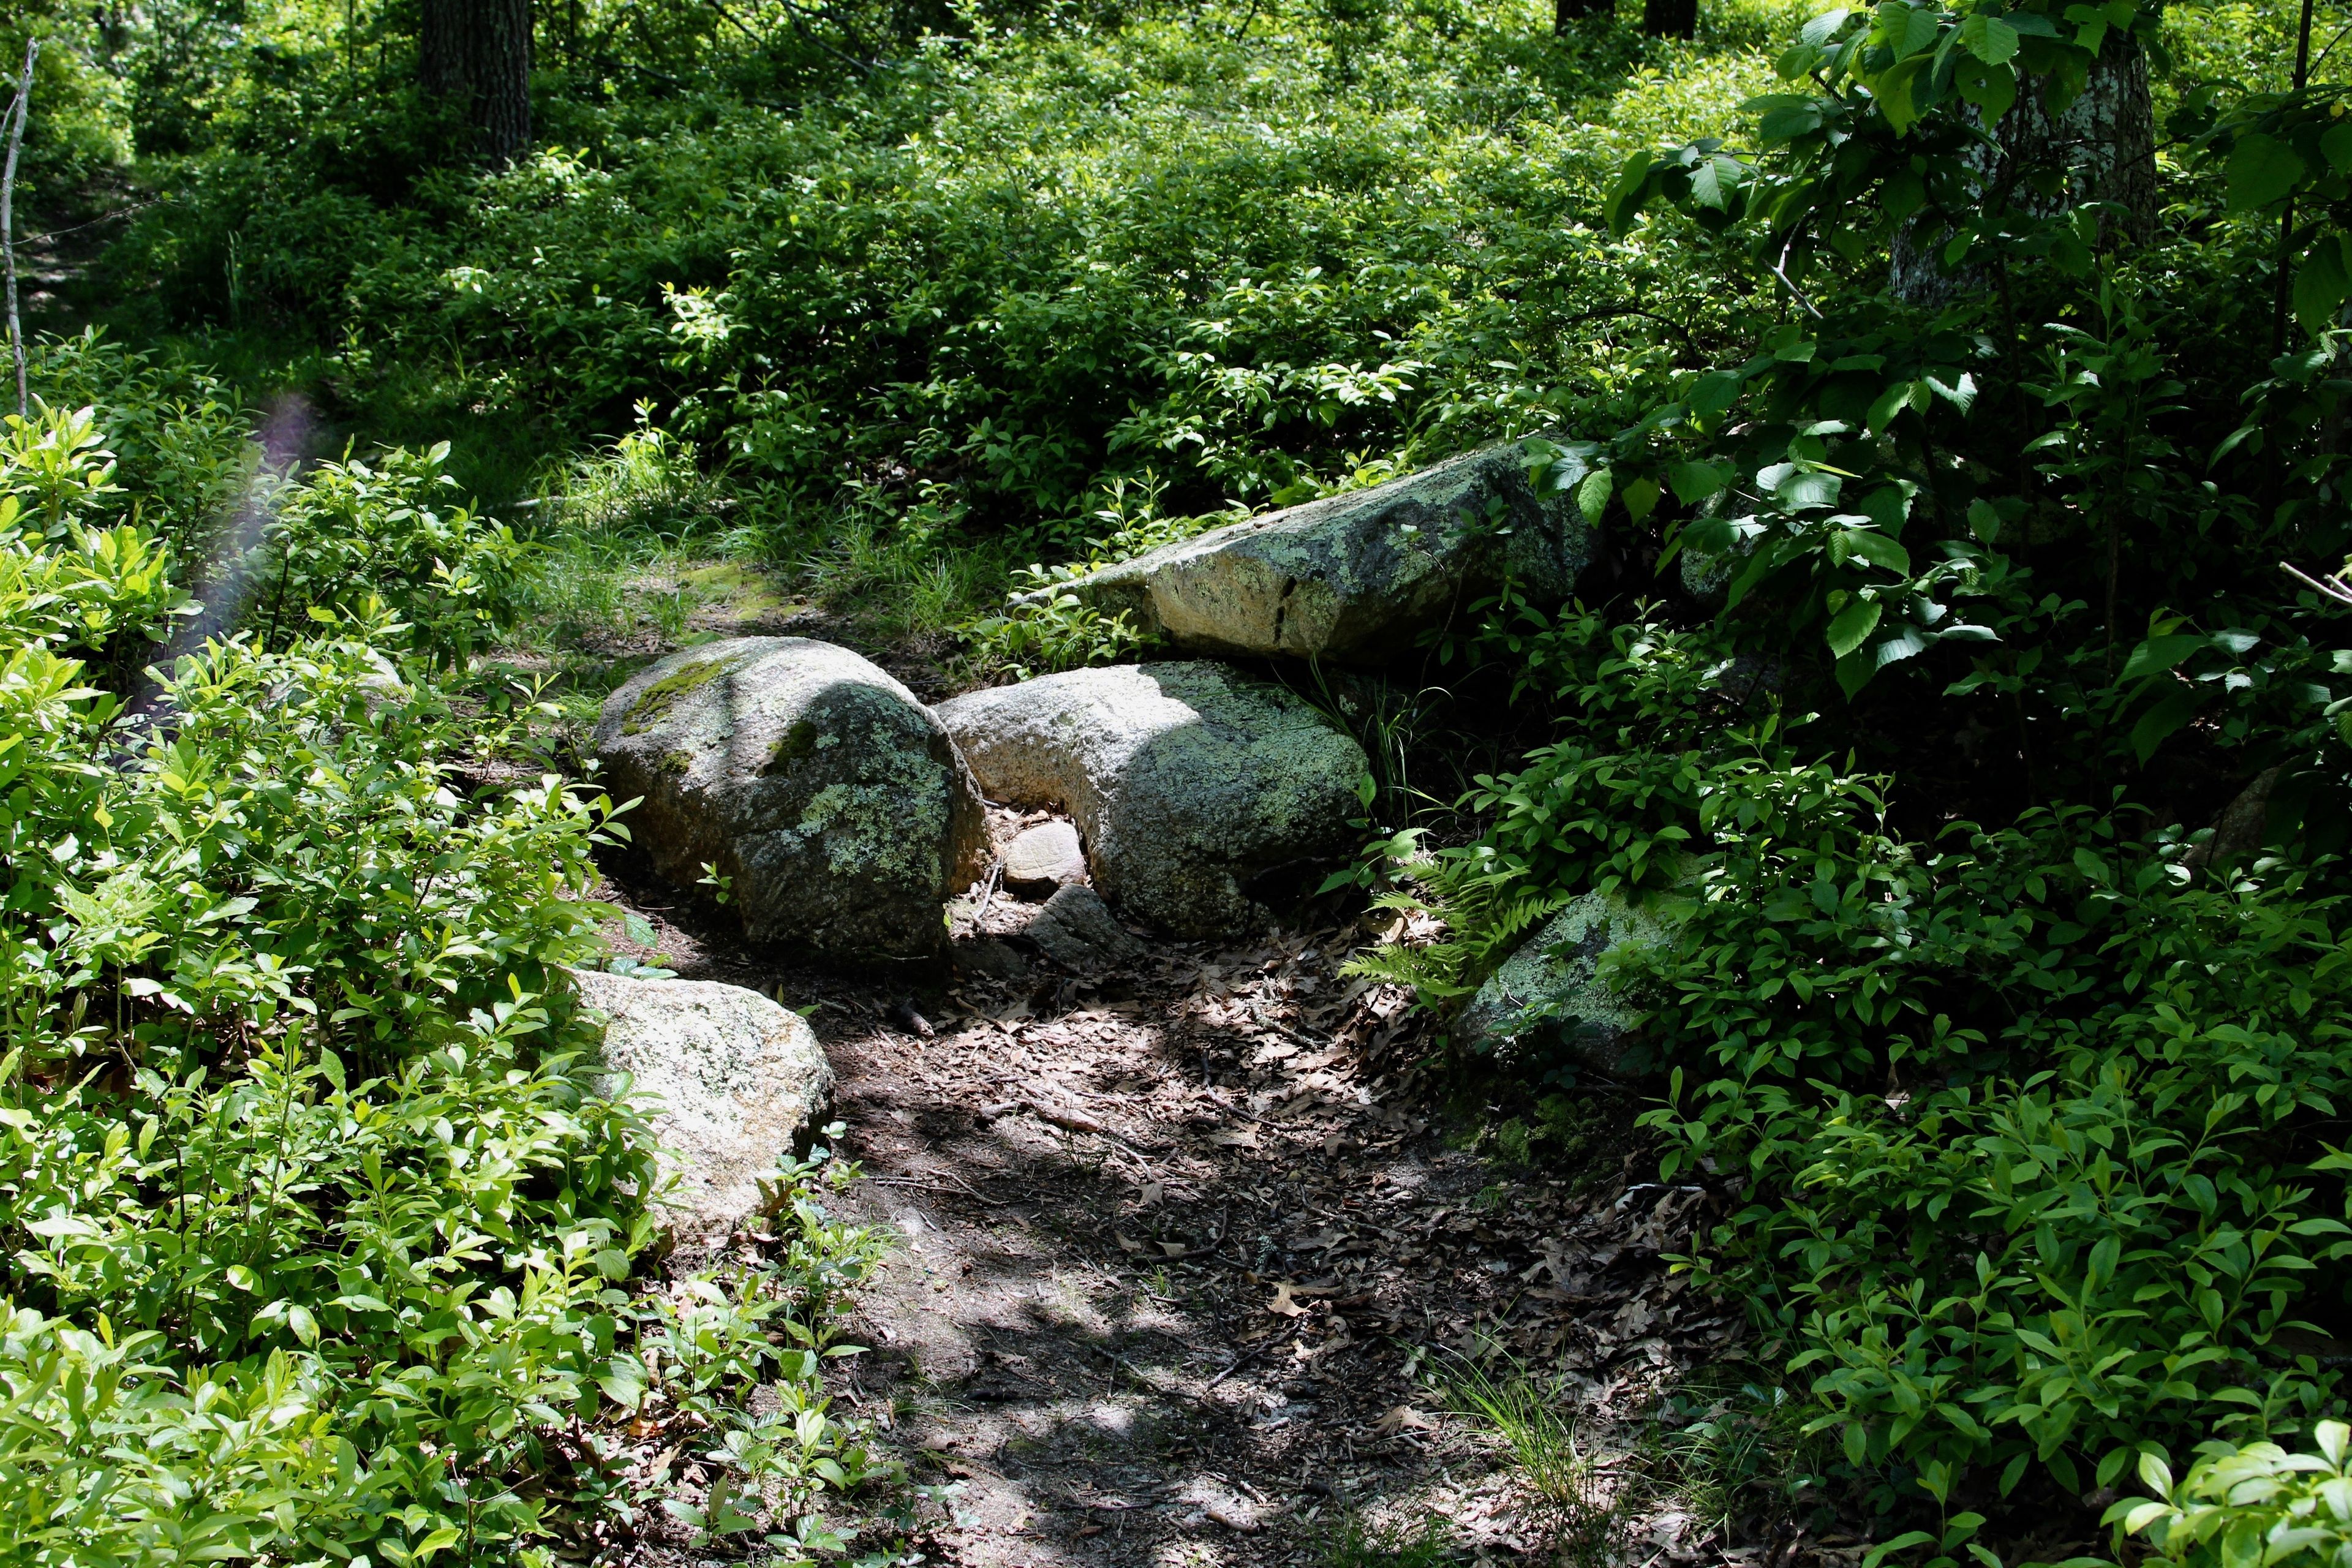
column 1550, row 993
column 830, row 798
column 1043, row 858
column 1352, row 577
column 735, row 1081
column 1189, row 782
column 1077, row 929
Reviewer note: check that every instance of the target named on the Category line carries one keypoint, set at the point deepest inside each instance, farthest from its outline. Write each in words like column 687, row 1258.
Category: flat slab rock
column 1188, row 781
column 1352, row 577
column 735, row 1080
column 1077, row 929
column 833, row 801
column 1043, row 858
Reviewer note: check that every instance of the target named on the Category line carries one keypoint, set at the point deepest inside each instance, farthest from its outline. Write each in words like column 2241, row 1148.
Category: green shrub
column 389, row 528
column 318, row 1235
column 2258, row 1505
column 2023, row 1113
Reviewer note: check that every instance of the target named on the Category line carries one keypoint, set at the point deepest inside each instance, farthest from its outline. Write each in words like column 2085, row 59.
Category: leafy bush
column 322, row 1232
column 2259, row 1504
column 2020, row 1111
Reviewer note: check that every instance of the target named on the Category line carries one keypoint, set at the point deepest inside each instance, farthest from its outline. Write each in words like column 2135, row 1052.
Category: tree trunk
column 1566, row 14
column 478, row 52
column 2100, row 147
column 1670, row 19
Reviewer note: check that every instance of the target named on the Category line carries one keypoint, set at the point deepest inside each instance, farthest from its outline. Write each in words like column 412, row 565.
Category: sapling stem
column 17, row 111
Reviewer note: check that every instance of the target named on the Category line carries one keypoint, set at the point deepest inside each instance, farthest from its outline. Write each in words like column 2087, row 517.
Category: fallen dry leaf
column 1402, row 1419
column 1282, row 1305
column 1234, row 1138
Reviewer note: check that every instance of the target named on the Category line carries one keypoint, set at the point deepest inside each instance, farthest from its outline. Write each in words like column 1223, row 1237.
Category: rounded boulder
column 733, row 1084
column 1189, row 782
column 831, row 801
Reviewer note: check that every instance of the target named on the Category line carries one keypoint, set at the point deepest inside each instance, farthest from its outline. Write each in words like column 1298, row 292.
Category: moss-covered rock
column 1188, row 782
column 1554, row 996
column 830, row 798
column 1353, row 576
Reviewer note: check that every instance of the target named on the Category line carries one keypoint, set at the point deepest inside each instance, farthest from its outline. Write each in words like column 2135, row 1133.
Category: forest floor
column 1184, row 1271
column 1193, row 1264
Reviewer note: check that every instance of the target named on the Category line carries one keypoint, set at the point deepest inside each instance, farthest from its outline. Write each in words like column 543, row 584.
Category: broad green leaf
column 2176, row 709
column 1693, row 482
column 438, row 1541
column 1713, row 393
column 305, row 1326
column 1632, row 192
column 1787, row 116
column 1988, row 39
column 1715, row 181
column 1992, row 89
column 1902, row 643
column 1960, row 393
column 1854, row 625
column 1878, row 550
column 1895, row 90
column 1801, row 491
column 1642, row 498
column 2321, row 284
column 1823, row 27
column 1890, row 403
column 2263, row 170
column 1709, row 535
column 2156, row 654
column 2336, row 146
column 1907, row 29
column 1593, row 495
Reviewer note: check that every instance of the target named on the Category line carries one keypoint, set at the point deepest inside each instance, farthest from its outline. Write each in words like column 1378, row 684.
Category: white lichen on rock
column 831, row 800
column 735, row 1082
column 1188, row 781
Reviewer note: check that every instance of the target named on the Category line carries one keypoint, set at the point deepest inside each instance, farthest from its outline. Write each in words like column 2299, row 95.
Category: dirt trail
column 1179, row 1251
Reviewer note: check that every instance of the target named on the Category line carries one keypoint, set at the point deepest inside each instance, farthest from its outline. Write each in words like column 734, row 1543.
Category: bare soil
column 1185, row 1255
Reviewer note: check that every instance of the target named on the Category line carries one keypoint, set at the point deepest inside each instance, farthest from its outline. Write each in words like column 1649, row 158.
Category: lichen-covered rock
column 1551, row 995
column 1352, row 577
column 829, row 797
column 1187, row 781
column 736, row 1083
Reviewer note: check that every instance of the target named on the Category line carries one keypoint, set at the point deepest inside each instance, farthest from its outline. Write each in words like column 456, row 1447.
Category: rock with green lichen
column 1555, row 996
column 1354, row 577
column 830, row 800
column 1193, row 785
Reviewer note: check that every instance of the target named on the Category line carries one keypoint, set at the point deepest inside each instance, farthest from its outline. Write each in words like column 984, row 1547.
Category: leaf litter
column 1185, row 1247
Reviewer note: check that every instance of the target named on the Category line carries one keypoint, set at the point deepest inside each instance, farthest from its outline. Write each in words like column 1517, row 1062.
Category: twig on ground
column 1230, row 1368
column 958, row 1191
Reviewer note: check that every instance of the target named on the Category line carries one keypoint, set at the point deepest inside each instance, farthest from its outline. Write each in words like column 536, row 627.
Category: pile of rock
column 836, row 813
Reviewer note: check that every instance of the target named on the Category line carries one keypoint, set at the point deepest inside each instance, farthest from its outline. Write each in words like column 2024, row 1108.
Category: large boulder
column 735, row 1083
column 1188, row 782
column 1351, row 577
column 829, row 796
column 1551, row 997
